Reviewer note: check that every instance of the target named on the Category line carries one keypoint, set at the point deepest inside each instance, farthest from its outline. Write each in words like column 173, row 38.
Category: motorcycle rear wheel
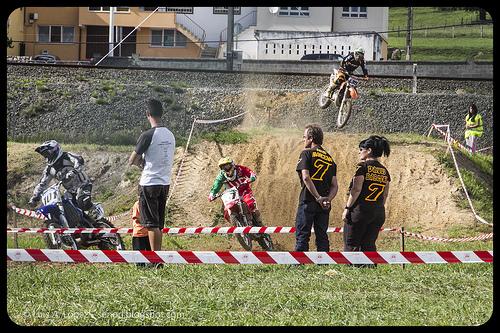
column 245, row 240
column 109, row 241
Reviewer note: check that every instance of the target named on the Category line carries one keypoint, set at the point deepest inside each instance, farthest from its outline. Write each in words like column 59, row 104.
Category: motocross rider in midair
column 347, row 66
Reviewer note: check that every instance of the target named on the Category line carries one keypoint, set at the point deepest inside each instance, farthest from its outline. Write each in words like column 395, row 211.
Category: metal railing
column 243, row 23
column 191, row 26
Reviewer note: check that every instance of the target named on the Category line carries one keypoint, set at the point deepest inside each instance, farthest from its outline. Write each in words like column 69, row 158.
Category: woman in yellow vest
column 473, row 127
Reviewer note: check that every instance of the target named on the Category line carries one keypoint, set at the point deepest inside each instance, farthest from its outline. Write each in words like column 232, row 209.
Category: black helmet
column 51, row 150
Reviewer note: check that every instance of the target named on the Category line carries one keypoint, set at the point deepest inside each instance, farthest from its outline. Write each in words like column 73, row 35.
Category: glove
column 32, row 202
column 211, row 197
column 252, row 178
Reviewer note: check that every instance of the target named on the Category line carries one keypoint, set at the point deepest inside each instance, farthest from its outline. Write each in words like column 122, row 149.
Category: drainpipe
column 332, row 17
column 229, row 42
column 111, row 30
column 80, row 44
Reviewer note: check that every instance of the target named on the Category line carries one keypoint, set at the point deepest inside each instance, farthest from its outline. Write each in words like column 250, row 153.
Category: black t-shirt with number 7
column 376, row 177
column 321, row 168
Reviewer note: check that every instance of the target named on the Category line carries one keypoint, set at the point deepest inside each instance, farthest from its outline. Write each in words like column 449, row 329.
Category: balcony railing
column 191, row 26
column 241, row 24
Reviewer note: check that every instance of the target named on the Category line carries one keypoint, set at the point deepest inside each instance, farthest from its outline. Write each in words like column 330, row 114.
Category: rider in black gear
column 68, row 168
column 347, row 66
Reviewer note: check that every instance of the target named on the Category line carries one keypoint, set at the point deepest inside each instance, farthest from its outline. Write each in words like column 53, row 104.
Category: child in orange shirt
column 140, row 239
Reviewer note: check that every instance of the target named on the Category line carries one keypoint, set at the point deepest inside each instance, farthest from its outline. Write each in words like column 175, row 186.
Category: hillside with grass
column 459, row 36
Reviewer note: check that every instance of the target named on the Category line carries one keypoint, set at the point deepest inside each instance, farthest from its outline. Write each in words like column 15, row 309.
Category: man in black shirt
column 318, row 177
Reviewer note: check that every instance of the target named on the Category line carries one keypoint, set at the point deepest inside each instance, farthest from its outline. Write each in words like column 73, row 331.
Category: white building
column 288, row 33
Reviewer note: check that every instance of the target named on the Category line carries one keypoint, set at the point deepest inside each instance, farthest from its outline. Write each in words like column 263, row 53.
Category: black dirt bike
column 240, row 216
column 61, row 212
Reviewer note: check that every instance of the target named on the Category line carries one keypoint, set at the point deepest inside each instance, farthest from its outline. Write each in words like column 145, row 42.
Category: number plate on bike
column 230, row 197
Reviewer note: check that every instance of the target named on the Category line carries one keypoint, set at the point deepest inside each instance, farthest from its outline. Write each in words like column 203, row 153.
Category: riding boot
column 329, row 90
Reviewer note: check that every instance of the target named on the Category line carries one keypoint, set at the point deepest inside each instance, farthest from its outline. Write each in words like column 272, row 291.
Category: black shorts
column 152, row 200
column 141, row 243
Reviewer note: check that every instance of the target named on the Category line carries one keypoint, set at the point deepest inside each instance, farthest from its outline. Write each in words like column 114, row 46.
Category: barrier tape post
column 402, row 242
column 15, row 226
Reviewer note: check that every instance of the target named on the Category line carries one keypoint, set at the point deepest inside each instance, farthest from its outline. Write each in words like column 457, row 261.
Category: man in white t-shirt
column 154, row 153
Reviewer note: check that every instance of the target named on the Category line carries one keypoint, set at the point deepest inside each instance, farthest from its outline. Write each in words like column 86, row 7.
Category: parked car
column 45, row 58
column 322, row 56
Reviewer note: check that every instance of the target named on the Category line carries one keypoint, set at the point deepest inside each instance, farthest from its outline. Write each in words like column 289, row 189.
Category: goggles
column 226, row 167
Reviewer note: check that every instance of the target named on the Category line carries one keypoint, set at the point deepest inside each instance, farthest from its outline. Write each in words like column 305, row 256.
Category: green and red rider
column 237, row 175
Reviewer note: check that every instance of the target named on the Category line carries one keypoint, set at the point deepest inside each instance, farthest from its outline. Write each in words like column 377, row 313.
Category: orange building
column 79, row 33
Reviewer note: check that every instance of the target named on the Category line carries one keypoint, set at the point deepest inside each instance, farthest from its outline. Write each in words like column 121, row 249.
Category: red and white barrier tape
column 450, row 240
column 240, row 257
column 33, row 214
column 116, row 217
column 228, row 230
column 192, row 230
column 448, row 137
column 29, row 213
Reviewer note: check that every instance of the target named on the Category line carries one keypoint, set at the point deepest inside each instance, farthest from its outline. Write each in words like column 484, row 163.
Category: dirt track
column 420, row 197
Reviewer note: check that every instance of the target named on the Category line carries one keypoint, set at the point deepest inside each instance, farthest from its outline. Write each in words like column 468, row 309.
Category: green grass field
column 443, row 44
column 192, row 295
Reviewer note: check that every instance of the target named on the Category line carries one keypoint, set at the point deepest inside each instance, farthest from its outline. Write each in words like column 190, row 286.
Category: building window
column 294, row 11
column 168, row 38
column 56, row 34
column 354, row 12
column 180, row 10
column 223, row 10
column 106, row 9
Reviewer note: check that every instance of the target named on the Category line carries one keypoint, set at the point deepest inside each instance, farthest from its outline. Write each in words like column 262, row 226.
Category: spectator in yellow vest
column 473, row 127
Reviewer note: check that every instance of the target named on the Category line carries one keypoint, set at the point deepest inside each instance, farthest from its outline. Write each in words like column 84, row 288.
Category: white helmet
column 51, row 150
column 360, row 51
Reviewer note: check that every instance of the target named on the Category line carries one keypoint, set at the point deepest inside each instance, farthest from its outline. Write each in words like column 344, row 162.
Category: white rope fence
column 449, row 141
column 184, row 155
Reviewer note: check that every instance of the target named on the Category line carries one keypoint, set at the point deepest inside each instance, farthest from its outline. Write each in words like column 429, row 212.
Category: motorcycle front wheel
column 245, row 240
column 344, row 112
column 58, row 241
column 324, row 101
column 266, row 242
column 109, row 241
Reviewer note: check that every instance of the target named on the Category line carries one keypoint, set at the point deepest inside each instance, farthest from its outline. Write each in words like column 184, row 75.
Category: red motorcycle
column 237, row 213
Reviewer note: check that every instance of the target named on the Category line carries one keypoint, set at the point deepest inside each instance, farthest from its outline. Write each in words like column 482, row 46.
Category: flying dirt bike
column 236, row 212
column 342, row 95
column 61, row 212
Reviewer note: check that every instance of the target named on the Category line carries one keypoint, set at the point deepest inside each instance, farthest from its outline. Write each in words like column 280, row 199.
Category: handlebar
column 218, row 195
column 352, row 75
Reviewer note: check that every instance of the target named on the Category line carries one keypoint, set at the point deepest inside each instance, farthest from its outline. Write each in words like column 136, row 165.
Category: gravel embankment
column 105, row 102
